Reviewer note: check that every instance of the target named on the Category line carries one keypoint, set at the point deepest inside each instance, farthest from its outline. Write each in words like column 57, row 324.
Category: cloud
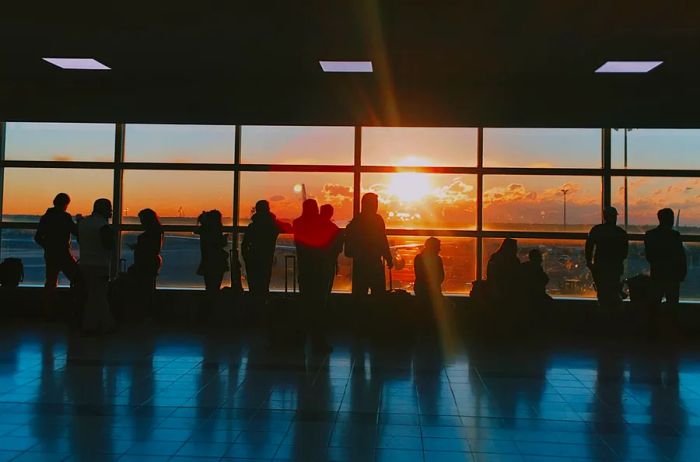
column 277, row 198
column 337, row 190
column 62, row 158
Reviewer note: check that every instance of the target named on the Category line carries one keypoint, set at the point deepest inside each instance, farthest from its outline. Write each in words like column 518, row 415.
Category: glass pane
column 29, row 192
column 181, row 256
column 285, row 246
column 434, row 147
column 647, row 195
column 180, row 143
column 19, row 243
column 676, row 148
column 60, row 142
column 297, row 145
column 458, row 258
column 177, row 196
column 539, row 203
column 564, row 261
column 542, row 147
column 424, row 200
column 287, row 190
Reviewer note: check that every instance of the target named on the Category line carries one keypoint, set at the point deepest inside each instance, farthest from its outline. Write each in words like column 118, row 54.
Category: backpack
column 350, row 240
column 11, row 273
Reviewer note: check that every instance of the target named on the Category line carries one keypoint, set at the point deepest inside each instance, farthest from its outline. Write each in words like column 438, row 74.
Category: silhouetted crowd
column 319, row 242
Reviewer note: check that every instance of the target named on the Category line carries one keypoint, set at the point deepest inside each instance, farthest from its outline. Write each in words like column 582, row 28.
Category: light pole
column 564, row 191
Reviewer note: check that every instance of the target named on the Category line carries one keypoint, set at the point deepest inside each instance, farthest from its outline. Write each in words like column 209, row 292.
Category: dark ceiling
column 491, row 63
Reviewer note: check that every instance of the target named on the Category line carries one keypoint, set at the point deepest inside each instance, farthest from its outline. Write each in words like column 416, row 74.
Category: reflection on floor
column 185, row 397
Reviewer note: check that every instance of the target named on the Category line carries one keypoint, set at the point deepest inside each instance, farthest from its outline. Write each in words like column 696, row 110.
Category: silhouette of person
column 214, row 258
column 535, row 280
column 258, row 247
column 367, row 245
column 96, row 241
column 430, row 273
column 503, row 271
column 667, row 261
column 147, row 259
column 332, row 243
column 313, row 264
column 606, row 251
column 53, row 235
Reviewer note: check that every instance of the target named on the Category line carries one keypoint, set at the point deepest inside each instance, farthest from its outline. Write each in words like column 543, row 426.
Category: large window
column 469, row 187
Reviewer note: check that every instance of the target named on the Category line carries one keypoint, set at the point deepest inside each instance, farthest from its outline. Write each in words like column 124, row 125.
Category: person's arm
column 441, row 270
column 386, row 250
column 590, row 247
column 418, row 269
column 107, row 237
column 40, row 235
column 683, row 262
column 649, row 248
column 625, row 245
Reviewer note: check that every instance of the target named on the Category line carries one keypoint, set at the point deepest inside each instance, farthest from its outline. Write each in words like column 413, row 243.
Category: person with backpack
column 367, row 245
column 665, row 253
column 143, row 273
column 53, row 235
column 214, row 258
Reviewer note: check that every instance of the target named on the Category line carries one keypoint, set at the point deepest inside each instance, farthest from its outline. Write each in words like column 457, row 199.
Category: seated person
column 534, row 280
column 503, row 272
column 430, row 273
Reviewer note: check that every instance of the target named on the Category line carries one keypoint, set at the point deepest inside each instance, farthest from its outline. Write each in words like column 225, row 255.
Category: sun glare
column 409, row 187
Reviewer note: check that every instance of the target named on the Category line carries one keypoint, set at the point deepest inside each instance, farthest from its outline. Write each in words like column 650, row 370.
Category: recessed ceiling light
column 78, row 63
column 346, row 66
column 627, row 67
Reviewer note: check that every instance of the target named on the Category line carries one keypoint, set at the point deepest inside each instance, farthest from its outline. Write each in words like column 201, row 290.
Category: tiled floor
column 147, row 397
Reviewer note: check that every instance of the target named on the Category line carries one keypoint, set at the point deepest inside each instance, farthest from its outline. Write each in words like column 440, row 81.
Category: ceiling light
column 627, row 67
column 78, row 63
column 346, row 66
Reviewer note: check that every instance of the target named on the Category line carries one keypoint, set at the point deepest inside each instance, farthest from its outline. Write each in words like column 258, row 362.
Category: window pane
column 180, row 260
column 297, row 145
column 679, row 148
column 29, row 192
column 646, row 195
column 424, row 200
column 285, row 246
column 60, row 142
column 537, row 203
column 564, row 261
column 19, row 243
column 286, row 190
column 542, row 147
column 458, row 258
column 177, row 196
column 180, row 143
column 437, row 147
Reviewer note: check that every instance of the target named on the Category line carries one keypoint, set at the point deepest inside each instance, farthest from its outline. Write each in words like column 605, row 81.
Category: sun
column 409, row 187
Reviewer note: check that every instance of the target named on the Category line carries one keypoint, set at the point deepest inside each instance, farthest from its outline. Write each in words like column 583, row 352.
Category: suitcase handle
column 287, row 259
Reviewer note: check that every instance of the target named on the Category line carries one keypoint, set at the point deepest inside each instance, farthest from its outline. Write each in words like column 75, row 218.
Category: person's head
column 149, row 219
column 610, row 215
column 535, row 256
column 262, row 207
column 102, row 207
column 509, row 246
column 309, row 208
column 61, row 201
column 666, row 218
column 432, row 245
column 370, row 203
column 326, row 211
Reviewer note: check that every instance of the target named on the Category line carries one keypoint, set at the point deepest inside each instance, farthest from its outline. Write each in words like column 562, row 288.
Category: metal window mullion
column 606, row 160
column 2, row 175
column 479, row 202
column 236, row 198
column 356, row 172
column 117, row 191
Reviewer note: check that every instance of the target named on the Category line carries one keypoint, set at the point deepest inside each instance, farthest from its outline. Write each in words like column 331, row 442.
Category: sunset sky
column 407, row 200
